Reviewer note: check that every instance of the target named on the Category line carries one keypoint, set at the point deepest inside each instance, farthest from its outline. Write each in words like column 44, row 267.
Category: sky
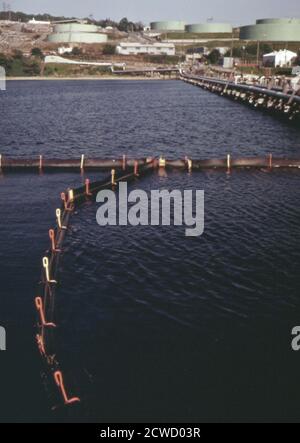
column 236, row 12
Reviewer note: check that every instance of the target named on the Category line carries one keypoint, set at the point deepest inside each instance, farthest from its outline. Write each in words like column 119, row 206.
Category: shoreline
column 43, row 78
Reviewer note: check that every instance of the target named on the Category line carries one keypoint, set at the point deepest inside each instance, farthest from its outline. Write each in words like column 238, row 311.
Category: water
column 152, row 325
column 139, row 118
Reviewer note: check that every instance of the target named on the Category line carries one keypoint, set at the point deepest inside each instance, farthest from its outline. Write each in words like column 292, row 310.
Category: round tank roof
column 77, row 37
column 278, row 21
column 75, row 27
column 168, row 26
column 271, row 32
column 209, row 28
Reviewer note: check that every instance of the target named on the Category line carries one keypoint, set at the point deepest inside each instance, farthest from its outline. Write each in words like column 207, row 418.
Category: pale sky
column 192, row 11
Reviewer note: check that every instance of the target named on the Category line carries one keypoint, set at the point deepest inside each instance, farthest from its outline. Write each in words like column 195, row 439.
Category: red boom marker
column 52, row 238
column 136, row 168
column 87, row 187
column 64, row 199
column 58, row 377
column 40, row 308
column 270, row 161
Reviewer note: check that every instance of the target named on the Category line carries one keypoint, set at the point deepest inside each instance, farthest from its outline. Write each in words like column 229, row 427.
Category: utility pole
column 258, row 53
column 9, row 11
column 232, row 44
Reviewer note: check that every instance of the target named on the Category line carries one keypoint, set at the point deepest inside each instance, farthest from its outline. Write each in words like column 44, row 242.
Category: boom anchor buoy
column 52, row 238
column 87, row 187
column 82, row 163
column 136, row 168
column 162, row 162
column 228, row 164
column 58, row 377
column 113, row 174
column 271, row 161
column 41, row 163
column 40, row 308
column 189, row 163
column 64, row 199
column 58, row 218
column 47, row 271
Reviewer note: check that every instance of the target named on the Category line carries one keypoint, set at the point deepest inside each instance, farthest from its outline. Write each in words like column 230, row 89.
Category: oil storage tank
column 272, row 30
column 209, row 28
column 278, row 21
column 168, row 26
column 76, row 33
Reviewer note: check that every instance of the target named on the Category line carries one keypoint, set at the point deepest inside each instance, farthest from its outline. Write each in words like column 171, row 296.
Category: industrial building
column 272, row 30
column 33, row 21
column 209, row 28
column 282, row 58
column 73, row 32
column 148, row 48
column 168, row 26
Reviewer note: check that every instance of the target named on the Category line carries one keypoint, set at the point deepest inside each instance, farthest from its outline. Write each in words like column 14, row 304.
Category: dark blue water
column 152, row 325
column 140, row 118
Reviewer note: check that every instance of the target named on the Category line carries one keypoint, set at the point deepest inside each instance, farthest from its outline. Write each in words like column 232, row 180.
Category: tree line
column 124, row 24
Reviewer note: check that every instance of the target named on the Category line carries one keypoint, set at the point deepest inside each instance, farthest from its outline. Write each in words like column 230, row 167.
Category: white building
column 146, row 48
column 64, row 50
column 33, row 21
column 281, row 59
column 295, row 82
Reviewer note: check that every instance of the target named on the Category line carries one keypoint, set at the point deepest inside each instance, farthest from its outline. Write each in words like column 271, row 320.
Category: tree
column 123, row 25
column 214, row 56
column 76, row 51
column 17, row 54
column 236, row 52
column 38, row 53
column 264, row 48
column 139, row 26
column 107, row 22
column 109, row 49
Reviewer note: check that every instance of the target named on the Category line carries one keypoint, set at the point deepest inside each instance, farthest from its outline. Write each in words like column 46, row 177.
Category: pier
column 269, row 100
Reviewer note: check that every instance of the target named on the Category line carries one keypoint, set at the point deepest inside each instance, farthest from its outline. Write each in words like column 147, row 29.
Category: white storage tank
column 76, row 33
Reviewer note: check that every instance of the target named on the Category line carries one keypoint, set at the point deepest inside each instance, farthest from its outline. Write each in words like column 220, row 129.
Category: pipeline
column 43, row 164
column 46, row 324
column 82, row 164
column 269, row 100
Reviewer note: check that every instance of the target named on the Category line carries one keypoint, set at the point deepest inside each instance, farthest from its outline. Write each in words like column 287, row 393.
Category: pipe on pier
column 276, row 102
